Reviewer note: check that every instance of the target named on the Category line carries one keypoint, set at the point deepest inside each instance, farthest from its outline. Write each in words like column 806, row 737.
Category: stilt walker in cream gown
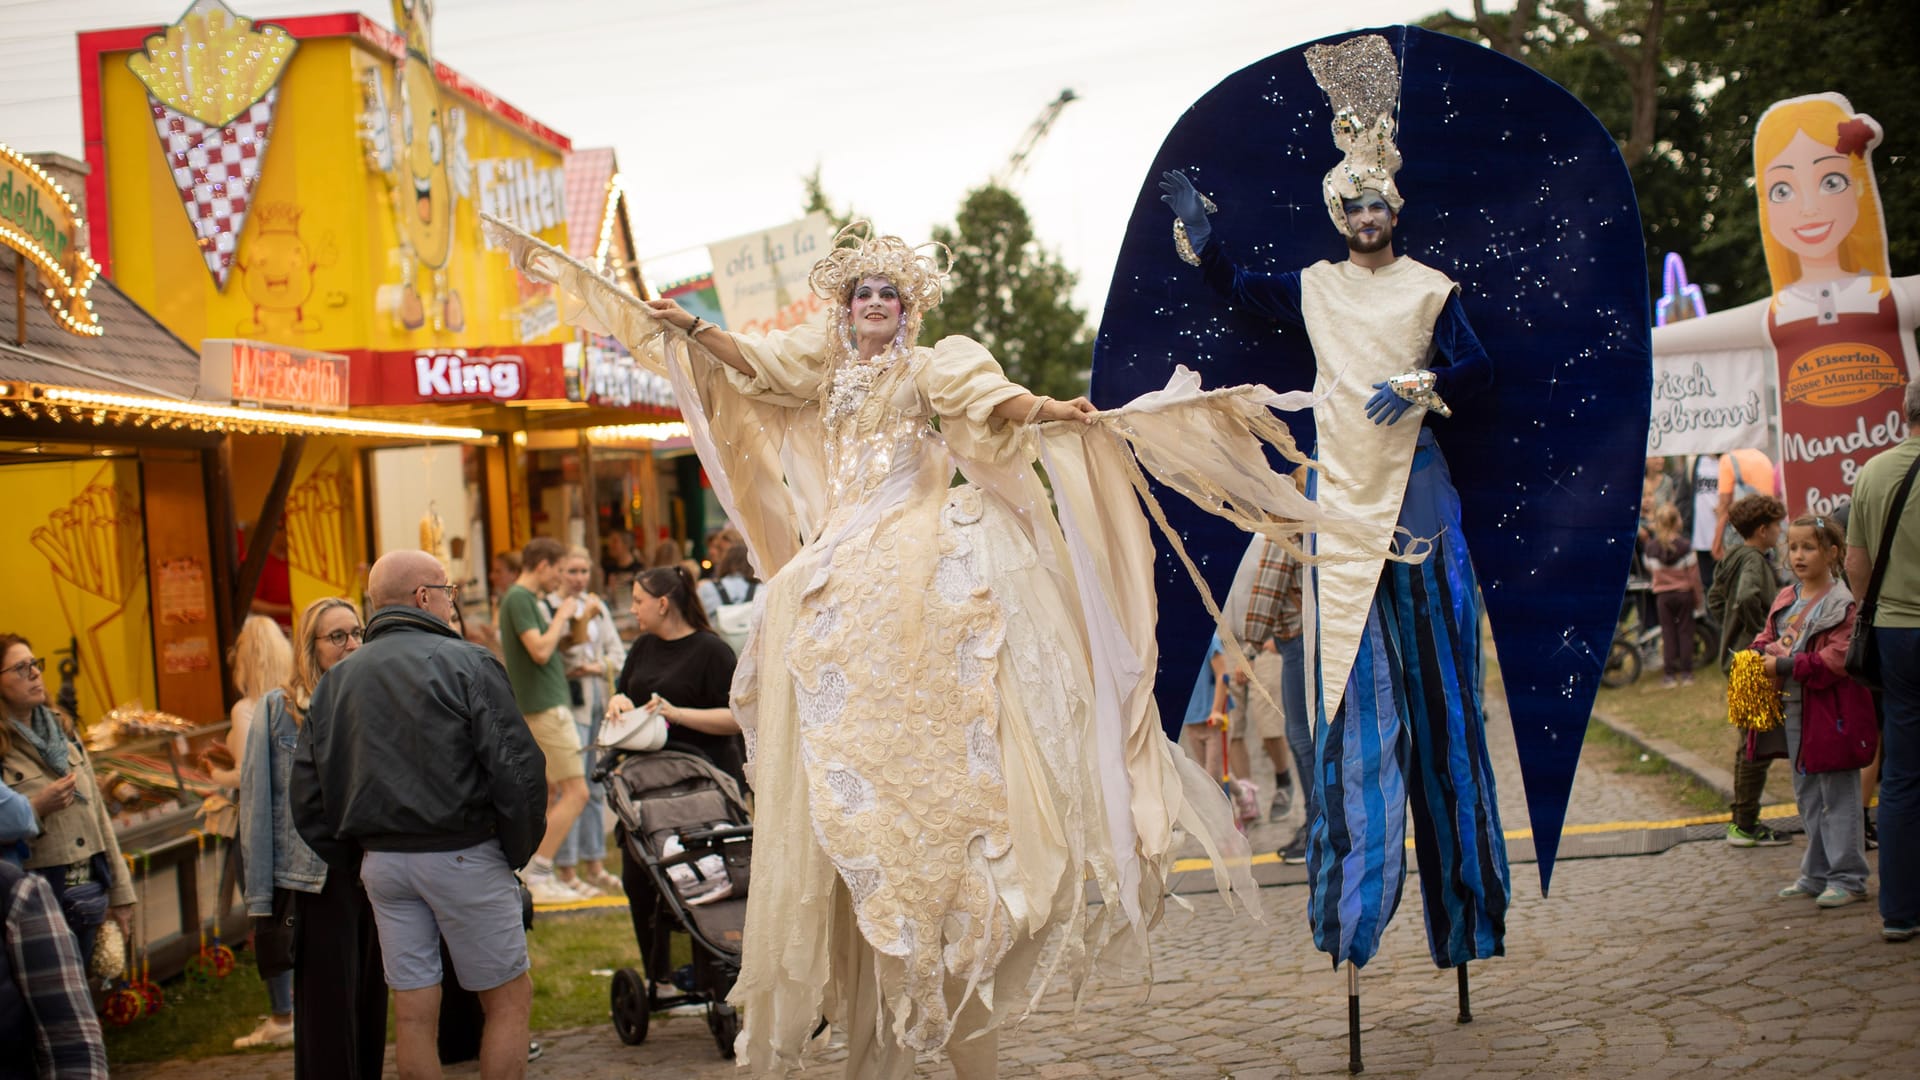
column 1393, row 646
column 948, row 692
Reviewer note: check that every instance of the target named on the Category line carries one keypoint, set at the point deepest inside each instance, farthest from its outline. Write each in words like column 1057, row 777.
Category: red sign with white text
column 427, row 376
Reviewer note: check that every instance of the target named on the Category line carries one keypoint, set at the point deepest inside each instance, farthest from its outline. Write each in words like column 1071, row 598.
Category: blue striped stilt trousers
column 1409, row 741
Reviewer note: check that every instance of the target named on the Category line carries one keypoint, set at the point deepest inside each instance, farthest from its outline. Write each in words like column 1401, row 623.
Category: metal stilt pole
column 1466, row 1003
column 1353, row 1019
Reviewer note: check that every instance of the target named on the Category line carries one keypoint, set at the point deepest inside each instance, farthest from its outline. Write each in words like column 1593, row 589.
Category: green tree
column 1013, row 296
column 819, row 203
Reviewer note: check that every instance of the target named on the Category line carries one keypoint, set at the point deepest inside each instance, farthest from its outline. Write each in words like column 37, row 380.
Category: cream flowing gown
column 948, row 693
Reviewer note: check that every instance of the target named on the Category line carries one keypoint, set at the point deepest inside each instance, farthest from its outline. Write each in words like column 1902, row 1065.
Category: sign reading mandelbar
column 260, row 373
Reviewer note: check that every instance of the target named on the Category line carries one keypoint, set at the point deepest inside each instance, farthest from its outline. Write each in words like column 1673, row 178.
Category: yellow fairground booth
column 311, row 187
column 117, row 452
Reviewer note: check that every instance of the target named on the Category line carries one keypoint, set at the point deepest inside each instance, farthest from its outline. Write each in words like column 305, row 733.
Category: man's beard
column 1368, row 247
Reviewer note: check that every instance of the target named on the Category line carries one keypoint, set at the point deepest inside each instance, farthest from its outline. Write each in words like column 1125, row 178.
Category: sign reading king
column 38, row 222
column 453, row 376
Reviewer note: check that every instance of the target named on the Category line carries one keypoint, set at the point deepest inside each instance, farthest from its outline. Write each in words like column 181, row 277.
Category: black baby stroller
column 687, row 846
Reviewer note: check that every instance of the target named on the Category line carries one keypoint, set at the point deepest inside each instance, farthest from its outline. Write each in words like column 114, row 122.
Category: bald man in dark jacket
column 415, row 754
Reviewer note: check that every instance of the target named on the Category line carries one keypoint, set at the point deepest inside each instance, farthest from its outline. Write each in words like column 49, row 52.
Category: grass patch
column 1693, row 717
column 199, row 1018
column 202, row 1018
column 1623, row 756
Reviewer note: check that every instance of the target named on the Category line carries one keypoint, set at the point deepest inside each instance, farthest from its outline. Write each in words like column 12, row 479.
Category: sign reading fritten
column 37, row 221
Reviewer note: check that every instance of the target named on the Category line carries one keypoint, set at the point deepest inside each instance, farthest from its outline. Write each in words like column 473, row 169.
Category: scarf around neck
column 47, row 737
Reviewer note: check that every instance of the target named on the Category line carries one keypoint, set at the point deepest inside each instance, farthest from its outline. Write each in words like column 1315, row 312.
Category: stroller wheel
column 724, row 1021
column 630, row 1006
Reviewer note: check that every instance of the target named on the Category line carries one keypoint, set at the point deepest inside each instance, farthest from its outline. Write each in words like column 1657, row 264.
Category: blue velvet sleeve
column 1461, row 368
column 1276, row 296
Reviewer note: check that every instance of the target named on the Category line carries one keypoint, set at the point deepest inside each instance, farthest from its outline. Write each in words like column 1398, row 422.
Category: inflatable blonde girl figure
column 1839, row 327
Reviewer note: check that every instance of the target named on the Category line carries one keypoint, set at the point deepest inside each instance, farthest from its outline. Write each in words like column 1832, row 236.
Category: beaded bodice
column 876, row 426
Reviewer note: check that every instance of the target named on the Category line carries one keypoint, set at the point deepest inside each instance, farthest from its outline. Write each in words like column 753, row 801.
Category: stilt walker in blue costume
column 1532, row 203
column 1400, row 732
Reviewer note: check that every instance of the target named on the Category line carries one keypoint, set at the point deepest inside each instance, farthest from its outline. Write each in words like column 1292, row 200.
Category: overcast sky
column 718, row 108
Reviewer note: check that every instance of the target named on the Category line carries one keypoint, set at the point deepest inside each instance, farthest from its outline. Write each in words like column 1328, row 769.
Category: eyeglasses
column 27, row 669
column 452, row 591
column 339, row 638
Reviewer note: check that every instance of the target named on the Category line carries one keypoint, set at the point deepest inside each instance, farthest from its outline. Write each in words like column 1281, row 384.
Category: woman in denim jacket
column 279, row 864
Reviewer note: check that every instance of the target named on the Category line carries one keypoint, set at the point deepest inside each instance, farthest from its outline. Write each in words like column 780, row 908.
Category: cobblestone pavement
column 1677, row 964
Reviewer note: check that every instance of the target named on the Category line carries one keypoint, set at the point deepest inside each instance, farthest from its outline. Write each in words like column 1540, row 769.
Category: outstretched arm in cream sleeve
column 1033, row 408
column 716, row 340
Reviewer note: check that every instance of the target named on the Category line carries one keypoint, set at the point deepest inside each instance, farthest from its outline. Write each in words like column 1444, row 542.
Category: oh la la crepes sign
column 38, row 222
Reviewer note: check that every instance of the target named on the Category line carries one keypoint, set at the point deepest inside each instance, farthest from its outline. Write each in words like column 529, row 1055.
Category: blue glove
column 1385, row 406
column 1186, row 205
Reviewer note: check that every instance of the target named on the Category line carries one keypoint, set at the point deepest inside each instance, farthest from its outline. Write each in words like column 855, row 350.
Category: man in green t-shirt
column 1897, row 632
column 531, row 641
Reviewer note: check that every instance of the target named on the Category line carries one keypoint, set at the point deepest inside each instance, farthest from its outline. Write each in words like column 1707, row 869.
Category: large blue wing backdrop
column 1519, row 194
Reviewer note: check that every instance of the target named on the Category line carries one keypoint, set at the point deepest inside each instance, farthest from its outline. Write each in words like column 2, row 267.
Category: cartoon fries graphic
column 96, row 546
column 316, row 508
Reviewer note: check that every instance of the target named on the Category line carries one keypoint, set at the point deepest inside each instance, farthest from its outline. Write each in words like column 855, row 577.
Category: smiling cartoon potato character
column 425, row 167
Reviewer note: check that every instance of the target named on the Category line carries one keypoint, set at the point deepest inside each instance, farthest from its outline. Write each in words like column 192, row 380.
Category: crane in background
column 1016, row 164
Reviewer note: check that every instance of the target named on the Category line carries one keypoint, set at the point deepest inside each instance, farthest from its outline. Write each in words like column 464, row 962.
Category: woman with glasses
column 41, row 758
column 314, row 937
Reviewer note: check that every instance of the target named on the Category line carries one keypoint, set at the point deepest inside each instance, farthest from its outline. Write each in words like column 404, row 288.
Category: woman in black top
column 680, row 667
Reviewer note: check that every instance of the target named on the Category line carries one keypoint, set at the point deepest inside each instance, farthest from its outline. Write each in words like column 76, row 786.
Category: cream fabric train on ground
column 948, row 698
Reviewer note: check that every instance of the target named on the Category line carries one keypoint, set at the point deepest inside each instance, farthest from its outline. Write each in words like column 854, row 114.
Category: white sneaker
column 270, row 1033
column 580, row 887
column 547, row 889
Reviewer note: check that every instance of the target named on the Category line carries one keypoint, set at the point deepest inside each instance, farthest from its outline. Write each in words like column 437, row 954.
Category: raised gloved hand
column 1188, row 205
column 1385, row 406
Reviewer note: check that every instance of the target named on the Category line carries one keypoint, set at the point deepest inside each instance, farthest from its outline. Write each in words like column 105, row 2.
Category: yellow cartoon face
column 278, row 270
column 426, row 195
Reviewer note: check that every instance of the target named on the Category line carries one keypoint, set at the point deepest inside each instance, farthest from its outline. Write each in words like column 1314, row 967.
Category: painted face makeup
column 1811, row 201
column 1369, row 222
column 875, row 308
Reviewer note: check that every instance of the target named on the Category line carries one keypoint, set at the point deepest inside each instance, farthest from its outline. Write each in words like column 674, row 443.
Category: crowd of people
column 375, row 856
column 1787, row 589
column 398, row 817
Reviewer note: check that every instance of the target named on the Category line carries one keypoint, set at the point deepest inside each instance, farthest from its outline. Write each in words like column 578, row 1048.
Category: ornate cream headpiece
column 857, row 255
column 1362, row 82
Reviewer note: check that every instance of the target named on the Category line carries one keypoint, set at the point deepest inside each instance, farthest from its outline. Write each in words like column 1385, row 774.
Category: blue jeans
column 280, row 993
column 1293, row 702
column 587, row 840
column 1900, row 777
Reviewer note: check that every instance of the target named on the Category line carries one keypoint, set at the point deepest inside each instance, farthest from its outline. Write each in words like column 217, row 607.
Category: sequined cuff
column 1417, row 387
column 1181, row 244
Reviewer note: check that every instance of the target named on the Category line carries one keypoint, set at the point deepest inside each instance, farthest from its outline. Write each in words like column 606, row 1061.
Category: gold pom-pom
column 1753, row 703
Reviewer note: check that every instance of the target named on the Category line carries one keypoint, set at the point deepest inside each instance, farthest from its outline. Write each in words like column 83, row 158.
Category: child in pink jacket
column 1829, row 718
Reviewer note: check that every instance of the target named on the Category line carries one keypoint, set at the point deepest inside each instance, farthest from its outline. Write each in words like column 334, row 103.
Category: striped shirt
column 1273, row 609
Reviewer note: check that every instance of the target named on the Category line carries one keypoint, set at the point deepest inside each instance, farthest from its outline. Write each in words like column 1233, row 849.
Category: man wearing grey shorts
column 415, row 752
